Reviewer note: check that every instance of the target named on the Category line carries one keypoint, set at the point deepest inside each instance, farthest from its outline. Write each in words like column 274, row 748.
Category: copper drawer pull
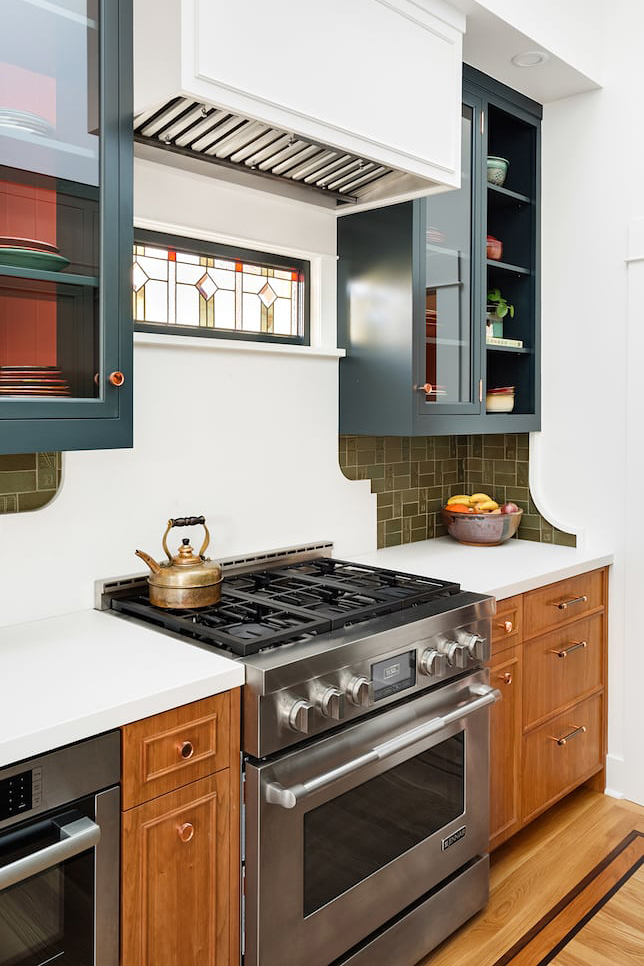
column 507, row 626
column 573, row 734
column 186, row 831
column 568, row 650
column 506, row 678
column 186, row 750
column 564, row 604
column 116, row 378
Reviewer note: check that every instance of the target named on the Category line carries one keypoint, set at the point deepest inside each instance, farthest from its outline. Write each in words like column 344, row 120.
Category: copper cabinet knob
column 506, row 678
column 116, row 378
column 507, row 626
column 186, row 831
column 186, row 749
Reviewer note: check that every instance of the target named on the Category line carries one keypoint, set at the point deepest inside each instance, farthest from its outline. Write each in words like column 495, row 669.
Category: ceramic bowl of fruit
column 479, row 521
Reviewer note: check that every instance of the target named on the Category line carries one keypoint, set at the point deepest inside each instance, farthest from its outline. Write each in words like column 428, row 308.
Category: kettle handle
column 185, row 522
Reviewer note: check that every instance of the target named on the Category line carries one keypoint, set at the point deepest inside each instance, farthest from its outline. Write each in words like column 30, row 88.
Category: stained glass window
column 200, row 288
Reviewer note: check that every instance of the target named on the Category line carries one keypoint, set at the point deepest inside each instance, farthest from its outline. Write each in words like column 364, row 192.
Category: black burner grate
column 270, row 608
column 237, row 623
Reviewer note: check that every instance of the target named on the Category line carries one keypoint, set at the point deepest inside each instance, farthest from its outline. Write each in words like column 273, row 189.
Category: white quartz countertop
column 71, row 677
column 512, row 568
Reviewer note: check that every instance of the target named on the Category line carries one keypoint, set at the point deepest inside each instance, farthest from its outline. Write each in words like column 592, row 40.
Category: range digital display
column 394, row 674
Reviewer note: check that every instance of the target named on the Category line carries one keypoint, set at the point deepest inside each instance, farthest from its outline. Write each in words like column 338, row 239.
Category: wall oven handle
column 277, row 794
column 77, row 837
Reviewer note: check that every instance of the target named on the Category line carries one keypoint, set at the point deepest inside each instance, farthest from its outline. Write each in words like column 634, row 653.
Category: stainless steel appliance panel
column 383, row 810
column 59, row 857
column 428, row 922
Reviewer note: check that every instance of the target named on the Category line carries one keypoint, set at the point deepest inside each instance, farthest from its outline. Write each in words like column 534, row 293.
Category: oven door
column 345, row 833
column 51, row 871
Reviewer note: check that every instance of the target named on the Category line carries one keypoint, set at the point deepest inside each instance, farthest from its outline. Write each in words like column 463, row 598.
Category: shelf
column 504, row 198
column 508, row 348
column 41, row 141
column 451, row 342
column 506, row 267
column 40, row 275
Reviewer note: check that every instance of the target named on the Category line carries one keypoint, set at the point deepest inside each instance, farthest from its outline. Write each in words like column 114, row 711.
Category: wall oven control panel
column 20, row 793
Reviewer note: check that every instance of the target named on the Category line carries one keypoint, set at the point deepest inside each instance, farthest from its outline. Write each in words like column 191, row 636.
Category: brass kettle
column 188, row 579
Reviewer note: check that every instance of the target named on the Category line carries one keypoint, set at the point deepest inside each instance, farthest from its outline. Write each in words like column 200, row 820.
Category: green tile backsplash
column 28, row 480
column 414, row 477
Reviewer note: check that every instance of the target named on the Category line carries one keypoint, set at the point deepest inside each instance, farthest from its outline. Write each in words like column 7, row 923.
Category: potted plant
column 497, row 309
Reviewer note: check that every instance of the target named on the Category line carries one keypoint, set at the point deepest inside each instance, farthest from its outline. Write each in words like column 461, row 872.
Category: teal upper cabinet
column 438, row 298
column 66, row 225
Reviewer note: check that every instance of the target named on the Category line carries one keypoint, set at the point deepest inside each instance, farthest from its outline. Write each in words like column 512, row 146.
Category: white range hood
column 347, row 105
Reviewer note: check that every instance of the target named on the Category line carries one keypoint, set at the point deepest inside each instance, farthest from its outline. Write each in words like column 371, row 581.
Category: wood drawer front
column 175, row 877
column 507, row 624
column 550, row 606
column 174, row 748
column 550, row 769
column 562, row 667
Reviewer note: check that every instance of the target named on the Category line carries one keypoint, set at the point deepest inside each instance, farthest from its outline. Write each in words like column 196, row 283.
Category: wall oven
column 345, row 833
column 59, row 857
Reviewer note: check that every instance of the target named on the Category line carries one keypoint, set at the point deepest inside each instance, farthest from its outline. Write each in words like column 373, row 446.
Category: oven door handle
column 278, row 794
column 79, row 836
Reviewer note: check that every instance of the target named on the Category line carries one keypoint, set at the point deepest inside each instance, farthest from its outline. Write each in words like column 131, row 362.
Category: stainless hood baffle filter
column 188, row 127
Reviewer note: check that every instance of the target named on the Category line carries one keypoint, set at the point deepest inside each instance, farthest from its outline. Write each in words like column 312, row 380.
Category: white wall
column 592, row 190
column 248, row 438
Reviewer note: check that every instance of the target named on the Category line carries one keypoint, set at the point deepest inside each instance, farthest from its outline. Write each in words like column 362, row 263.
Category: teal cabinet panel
column 431, row 316
column 66, row 226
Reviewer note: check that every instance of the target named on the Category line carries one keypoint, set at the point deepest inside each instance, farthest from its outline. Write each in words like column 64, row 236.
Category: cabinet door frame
column 425, row 413
column 496, row 95
column 105, row 422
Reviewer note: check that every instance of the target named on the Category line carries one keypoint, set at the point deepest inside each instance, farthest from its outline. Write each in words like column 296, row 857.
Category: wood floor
column 535, row 871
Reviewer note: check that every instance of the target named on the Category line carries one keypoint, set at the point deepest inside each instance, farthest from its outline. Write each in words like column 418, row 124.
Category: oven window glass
column 48, row 917
column 356, row 834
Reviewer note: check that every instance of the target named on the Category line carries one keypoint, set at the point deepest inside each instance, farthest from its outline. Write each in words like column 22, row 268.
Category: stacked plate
column 32, row 381
column 26, row 121
column 29, row 253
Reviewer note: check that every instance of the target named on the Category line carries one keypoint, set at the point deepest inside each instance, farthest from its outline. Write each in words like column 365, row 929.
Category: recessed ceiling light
column 530, row 58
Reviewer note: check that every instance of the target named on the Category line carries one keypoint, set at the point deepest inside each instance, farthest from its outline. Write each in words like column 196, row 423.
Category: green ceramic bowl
column 497, row 170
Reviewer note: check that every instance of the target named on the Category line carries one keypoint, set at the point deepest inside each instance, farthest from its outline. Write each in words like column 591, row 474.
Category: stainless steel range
column 365, row 736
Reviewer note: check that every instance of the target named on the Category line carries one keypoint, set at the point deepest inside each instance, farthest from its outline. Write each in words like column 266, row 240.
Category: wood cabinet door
column 176, row 885
column 505, row 747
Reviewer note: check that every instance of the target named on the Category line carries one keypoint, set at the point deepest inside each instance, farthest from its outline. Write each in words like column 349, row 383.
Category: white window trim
column 322, row 297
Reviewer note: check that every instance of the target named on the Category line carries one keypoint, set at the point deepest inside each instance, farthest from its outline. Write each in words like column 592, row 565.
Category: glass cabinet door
column 60, row 200
column 448, row 352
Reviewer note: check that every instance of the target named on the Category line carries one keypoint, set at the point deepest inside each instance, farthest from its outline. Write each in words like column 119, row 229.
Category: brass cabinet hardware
column 571, row 734
column 186, row 749
column 565, row 651
column 564, row 604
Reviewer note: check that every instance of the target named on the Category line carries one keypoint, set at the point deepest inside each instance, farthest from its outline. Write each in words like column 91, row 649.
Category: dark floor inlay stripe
column 592, row 912
column 567, row 899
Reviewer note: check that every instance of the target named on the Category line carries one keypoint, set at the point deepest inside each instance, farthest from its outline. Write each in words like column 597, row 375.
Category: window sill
column 234, row 345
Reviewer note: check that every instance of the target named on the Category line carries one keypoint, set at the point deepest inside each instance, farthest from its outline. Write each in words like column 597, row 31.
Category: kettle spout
column 152, row 564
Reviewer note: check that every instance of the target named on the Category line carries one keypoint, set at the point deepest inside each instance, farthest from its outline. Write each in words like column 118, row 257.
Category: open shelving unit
column 511, row 217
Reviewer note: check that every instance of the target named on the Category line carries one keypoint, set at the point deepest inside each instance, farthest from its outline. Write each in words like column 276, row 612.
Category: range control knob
column 300, row 716
column 433, row 663
column 360, row 692
column 456, row 653
column 478, row 647
column 332, row 703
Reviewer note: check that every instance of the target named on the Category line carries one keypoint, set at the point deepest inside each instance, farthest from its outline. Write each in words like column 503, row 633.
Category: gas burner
column 388, row 583
column 283, row 605
column 239, row 624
